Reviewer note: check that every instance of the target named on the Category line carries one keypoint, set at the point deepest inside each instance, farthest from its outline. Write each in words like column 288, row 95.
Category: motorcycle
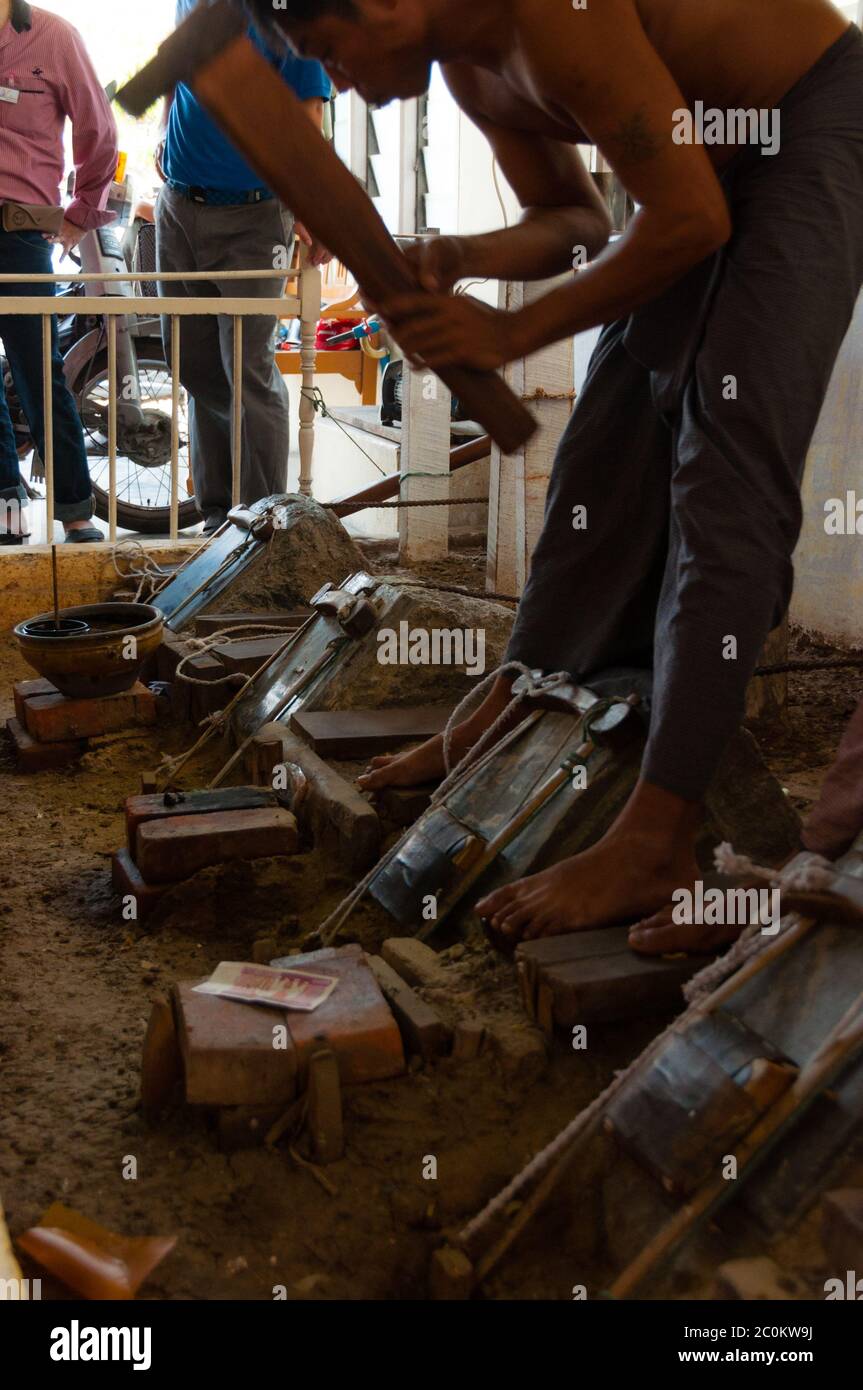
column 144, row 394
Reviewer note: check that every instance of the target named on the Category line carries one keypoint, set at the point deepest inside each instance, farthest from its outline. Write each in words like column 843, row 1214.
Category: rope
column 459, row 715
column 445, row 502
column 315, row 395
column 540, row 394
column 223, row 637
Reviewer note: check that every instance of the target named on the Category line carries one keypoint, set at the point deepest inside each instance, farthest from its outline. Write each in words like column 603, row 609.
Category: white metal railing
column 306, row 306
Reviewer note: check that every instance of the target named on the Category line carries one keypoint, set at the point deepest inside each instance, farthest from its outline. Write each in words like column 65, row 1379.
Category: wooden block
column 175, row 848
column 842, row 1230
column 140, row 809
column 208, row 624
column 594, row 976
column 127, row 880
column 355, row 1022
column 417, row 963
column 205, row 667
column 229, row 1051
column 423, row 1031
column 56, row 719
column 339, row 819
column 23, row 691
column 169, row 655
column 325, row 1118
column 246, row 658
column 161, row 1064
column 467, row 1040
column 33, row 756
column 363, row 733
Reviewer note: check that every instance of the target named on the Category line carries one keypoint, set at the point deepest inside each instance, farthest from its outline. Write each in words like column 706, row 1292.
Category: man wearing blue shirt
column 214, row 214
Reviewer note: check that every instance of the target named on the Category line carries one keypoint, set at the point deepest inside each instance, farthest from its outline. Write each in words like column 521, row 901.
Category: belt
column 221, row 197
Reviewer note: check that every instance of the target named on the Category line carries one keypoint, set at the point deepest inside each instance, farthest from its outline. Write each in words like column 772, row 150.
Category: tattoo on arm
column 634, row 140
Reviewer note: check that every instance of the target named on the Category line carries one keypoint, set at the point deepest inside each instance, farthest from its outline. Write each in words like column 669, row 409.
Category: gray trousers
column 688, row 442
column 195, row 236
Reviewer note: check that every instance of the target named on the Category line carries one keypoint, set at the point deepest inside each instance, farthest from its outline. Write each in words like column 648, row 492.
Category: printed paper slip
column 261, row 984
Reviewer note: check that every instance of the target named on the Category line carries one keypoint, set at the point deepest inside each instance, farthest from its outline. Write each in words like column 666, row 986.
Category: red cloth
column 45, row 60
column 837, row 818
column 331, row 328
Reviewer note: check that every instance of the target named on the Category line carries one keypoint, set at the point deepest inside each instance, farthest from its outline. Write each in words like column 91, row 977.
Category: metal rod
column 237, row 404
column 112, row 429
column 55, row 587
column 175, row 426
column 48, row 411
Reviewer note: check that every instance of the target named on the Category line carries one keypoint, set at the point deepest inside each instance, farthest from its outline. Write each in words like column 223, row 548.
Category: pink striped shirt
column 44, row 60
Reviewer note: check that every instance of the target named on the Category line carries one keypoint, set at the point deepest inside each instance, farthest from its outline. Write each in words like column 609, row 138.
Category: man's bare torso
column 726, row 53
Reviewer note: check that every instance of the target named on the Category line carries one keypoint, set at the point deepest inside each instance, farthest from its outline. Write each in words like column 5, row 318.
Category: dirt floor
column 76, row 986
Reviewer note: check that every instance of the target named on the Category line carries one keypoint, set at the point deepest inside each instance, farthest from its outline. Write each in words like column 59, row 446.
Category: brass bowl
column 105, row 660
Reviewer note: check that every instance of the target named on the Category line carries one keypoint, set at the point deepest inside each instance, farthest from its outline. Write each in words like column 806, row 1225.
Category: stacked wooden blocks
column 171, row 837
column 51, row 731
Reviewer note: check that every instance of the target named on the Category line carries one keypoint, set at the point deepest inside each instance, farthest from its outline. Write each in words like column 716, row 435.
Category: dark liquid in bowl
column 69, row 627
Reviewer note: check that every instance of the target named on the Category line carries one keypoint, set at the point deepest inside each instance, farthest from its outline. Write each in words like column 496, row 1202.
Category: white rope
column 199, row 646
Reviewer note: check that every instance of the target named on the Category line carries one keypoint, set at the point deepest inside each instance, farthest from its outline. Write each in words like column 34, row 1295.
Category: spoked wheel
column 143, row 455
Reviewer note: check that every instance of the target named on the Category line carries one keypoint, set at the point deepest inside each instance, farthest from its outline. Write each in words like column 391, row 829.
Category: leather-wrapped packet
column 31, row 217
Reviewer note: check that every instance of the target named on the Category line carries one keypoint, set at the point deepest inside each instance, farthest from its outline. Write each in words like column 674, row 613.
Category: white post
column 310, row 312
column 237, row 403
column 175, row 425
column 426, row 431
column 112, row 427
column 48, row 410
column 519, row 482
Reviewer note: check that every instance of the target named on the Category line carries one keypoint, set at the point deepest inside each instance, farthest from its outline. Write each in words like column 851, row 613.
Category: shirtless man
column 725, row 305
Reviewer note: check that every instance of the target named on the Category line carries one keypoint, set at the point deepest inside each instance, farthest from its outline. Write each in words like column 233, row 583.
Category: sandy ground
column 76, row 984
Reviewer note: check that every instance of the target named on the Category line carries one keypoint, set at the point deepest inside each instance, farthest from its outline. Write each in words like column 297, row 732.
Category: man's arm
column 562, row 206
column 626, row 101
column 600, row 66
column 94, row 136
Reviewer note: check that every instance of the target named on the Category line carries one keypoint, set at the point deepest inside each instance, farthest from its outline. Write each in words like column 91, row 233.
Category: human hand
column 317, row 252
column 68, row 236
column 437, row 331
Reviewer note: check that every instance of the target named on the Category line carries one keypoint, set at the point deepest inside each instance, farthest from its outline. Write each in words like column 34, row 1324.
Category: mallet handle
column 269, row 124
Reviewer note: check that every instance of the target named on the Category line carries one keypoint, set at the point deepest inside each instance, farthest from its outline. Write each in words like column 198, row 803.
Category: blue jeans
column 22, row 252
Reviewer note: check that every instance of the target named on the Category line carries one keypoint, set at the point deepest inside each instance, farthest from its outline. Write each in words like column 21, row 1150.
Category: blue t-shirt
column 196, row 151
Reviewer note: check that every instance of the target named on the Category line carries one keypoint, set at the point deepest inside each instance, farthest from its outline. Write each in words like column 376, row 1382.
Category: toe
column 658, row 935
column 489, row 906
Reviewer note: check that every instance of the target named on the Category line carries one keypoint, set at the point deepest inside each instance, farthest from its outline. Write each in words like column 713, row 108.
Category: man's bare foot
column 631, row 872
column 660, row 935
column 426, row 763
column 411, row 769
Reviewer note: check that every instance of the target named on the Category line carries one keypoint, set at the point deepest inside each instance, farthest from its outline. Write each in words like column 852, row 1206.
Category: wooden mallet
column 244, row 94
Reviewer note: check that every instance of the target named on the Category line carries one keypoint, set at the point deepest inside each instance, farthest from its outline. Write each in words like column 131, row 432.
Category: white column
column 519, row 482
column 426, row 412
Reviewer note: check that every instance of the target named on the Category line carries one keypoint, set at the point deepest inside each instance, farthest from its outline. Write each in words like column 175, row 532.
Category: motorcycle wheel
column 143, row 483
